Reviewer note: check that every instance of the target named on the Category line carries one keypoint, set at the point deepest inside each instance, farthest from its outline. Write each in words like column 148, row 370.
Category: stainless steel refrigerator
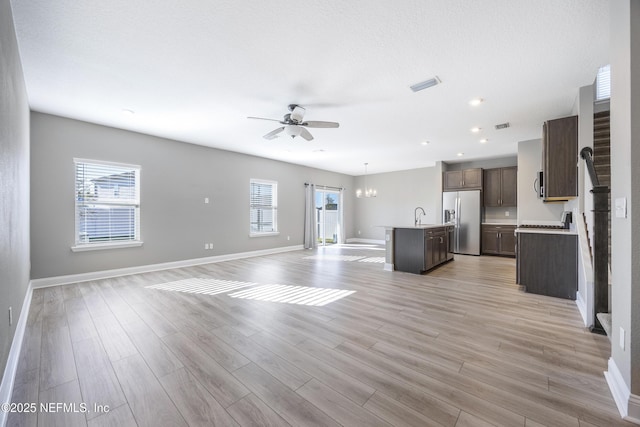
column 462, row 210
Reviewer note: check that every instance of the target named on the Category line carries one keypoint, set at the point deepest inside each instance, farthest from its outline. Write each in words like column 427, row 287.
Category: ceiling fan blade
column 312, row 124
column 306, row 134
column 274, row 133
column 263, row 118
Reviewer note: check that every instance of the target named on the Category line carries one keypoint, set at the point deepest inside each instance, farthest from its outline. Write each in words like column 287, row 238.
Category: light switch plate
column 621, row 207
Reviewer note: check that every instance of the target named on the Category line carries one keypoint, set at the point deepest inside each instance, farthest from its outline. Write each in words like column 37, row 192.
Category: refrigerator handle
column 458, row 223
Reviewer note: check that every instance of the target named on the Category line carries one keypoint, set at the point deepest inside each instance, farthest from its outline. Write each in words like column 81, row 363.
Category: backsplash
column 492, row 214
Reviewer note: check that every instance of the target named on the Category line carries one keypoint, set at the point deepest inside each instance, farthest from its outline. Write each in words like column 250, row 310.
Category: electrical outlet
column 10, row 316
column 506, row 213
column 621, row 338
column 206, row 200
column 210, row 245
column 206, row 246
column 359, row 232
column 288, row 237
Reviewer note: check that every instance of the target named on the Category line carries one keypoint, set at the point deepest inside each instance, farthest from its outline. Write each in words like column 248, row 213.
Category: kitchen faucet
column 417, row 219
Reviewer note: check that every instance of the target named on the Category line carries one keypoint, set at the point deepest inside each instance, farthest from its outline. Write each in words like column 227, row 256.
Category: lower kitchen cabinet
column 417, row 250
column 547, row 263
column 499, row 240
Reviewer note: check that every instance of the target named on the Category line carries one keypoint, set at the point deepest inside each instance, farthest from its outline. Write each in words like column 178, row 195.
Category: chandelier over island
column 368, row 192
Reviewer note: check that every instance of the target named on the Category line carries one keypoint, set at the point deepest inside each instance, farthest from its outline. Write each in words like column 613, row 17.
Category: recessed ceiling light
column 476, row 101
column 484, row 141
column 476, row 129
column 460, row 154
column 425, row 84
column 424, row 143
column 128, row 112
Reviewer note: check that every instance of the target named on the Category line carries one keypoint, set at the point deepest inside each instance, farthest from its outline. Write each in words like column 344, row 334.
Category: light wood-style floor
column 460, row 346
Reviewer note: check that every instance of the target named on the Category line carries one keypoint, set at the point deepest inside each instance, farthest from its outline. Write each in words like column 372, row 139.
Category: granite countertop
column 547, row 231
column 513, row 224
column 419, row 226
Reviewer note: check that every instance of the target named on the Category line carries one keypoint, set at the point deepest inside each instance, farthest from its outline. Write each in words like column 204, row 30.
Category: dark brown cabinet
column 499, row 240
column 468, row 179
column 417, row 250
column 436, row 242
column 560, row 159
column 547, row 264
column 500, row 187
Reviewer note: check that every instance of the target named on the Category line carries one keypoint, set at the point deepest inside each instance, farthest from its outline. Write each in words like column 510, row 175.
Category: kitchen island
column 419, row 248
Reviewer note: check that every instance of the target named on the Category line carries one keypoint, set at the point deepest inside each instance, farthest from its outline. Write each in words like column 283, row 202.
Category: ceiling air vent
column 502, row 126
column 425, row 84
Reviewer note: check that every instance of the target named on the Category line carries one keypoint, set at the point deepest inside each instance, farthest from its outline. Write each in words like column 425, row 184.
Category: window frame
column 274, row 207
column 603, row 84
column 79, row 245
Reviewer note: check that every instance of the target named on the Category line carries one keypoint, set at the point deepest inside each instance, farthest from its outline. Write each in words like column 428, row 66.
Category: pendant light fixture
column 368, row 192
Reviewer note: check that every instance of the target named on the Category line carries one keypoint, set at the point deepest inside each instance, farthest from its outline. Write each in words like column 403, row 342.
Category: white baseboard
column 582, row 308
column 10, row 370
column 628, row 404
column 371, row 241
column 105, row 274
column 634, row 409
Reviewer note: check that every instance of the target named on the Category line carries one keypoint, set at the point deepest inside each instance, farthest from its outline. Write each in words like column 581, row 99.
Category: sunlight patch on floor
column 373, row 259
column 202, row 286
column 302, row 295
column 356, row 247
column 330, row 257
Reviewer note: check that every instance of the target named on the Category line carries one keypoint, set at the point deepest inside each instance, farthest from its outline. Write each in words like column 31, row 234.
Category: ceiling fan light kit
column 293, row 124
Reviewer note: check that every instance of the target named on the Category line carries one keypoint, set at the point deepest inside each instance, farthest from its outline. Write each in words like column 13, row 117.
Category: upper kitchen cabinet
column 468, row 179
column 560, row 159
column 500, row 187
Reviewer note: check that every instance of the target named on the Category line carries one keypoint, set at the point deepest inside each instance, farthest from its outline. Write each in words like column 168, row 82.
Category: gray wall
column 175, row 179
column 530, row 208
column 14, row 182
column 399, row 193
column 625, row 164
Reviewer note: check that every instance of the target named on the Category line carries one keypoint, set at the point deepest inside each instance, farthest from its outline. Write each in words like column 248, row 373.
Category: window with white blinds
column 107, row 204
column 603, row 83
column 263, row 214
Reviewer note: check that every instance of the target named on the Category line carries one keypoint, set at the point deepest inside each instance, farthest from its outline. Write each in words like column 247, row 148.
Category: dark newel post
column 600, row 242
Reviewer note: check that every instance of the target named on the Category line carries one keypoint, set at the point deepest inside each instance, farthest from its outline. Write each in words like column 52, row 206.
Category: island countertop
column 418, row 227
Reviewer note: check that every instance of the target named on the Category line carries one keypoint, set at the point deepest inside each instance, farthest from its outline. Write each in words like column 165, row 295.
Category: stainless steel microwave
column 539, row 184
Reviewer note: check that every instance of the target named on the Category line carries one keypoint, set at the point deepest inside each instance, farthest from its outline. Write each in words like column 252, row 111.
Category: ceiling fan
column 293, row 124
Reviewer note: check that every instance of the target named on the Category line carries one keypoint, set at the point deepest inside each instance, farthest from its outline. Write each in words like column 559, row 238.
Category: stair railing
column 600, row 242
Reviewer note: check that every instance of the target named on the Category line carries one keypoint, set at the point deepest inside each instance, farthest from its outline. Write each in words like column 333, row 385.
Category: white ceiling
column 194, row 70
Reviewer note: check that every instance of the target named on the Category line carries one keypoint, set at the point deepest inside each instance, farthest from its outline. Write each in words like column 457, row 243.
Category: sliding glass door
column 328, row 216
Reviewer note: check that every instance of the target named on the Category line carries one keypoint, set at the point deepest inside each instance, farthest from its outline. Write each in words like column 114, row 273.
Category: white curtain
column 341, row 237
column 310, row 226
